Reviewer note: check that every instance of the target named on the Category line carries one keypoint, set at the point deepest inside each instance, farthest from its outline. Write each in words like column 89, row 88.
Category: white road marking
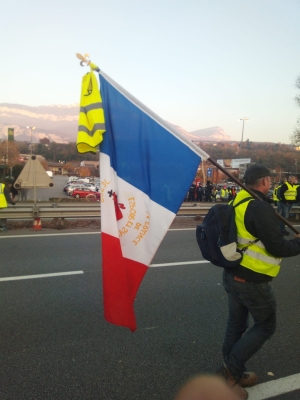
column 179, row 263
column 50, row 234
column 274, row 388
column 259, row 392
column 72, row 233
column 80, row 233
column 182, row 229
column 19, row 278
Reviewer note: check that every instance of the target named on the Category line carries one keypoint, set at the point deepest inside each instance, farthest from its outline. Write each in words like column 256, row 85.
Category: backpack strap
column 243, row 201
column 223, row 216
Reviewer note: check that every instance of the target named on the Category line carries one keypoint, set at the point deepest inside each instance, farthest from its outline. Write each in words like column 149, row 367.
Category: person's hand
column 297, row 236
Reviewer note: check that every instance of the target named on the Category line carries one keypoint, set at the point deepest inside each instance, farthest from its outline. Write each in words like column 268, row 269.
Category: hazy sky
column 196, row 63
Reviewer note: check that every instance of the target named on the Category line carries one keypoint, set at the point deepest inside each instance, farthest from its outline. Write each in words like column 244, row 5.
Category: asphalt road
column 55, row 343
column 59, row 182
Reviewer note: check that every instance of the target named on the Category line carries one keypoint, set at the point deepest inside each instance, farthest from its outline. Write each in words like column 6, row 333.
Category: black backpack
column 217, row 236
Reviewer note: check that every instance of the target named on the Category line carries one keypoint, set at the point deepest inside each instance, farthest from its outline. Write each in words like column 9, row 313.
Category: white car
column 73, row 178
column 81, row 187
column 91, row 186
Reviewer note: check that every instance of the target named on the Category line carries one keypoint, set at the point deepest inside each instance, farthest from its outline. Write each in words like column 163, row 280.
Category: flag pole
column 234, row 179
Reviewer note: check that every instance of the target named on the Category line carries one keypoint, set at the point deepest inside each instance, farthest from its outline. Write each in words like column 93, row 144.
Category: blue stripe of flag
column 143, row 152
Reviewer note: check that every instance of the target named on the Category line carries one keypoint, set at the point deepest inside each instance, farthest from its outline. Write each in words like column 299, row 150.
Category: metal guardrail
column 88, row 210
column 12, row 212
column 73, row 210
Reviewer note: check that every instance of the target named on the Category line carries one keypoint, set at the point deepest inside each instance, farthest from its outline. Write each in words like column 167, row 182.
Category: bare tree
column 297, row 98
column 295, row 137
column 9, row 153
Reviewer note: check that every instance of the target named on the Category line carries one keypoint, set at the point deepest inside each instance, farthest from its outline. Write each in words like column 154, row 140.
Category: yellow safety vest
column 275, row 198
column 255, row 257
column 224, row 193
column 3, row 202
column 291, row 192
column 91, row 117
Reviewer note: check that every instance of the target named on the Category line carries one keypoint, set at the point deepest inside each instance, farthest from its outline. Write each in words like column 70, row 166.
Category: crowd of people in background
column 210, row 193
column 284, row 195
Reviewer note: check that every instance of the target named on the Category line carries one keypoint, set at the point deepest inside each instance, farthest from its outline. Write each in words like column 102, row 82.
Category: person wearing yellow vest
column 247, row 285
column 224, row 194
column 5, row 199
column 288, row 197
column 280, row 205
column 275, row 198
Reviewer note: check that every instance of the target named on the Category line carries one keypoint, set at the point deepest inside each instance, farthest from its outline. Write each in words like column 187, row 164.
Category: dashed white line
column 274, row 388
column 19, row 278
column 49, row 234
column 81, row 233
column 259, row 392
column 179, row 263
column 9, row 236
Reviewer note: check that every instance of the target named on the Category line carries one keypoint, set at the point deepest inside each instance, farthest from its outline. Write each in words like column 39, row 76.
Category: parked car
column 84, row 180
column 71, row 185
column 91, row 187
column 70, row 189
column 85, row 193
column 73, row 179
column 84, row 186
column 77, row 182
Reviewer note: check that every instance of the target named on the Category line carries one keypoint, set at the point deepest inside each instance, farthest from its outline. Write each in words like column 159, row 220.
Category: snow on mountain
column 59, row 124
column 209, row 134
column 214, row 133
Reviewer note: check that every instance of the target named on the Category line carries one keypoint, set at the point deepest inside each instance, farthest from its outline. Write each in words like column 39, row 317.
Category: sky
column 196, row 63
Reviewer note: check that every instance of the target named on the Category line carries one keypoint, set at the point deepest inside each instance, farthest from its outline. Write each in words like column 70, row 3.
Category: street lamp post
column 33, row 165
column 31, row 129
column 243, row 119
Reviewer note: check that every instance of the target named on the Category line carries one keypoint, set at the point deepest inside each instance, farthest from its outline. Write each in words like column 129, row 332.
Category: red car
column 86, row 193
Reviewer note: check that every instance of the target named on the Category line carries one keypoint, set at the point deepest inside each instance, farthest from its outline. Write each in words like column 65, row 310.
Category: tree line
column 56, row 152
column 276, row 156
column 295, row 137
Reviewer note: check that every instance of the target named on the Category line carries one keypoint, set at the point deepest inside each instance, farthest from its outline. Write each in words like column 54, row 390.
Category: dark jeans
column 284, row 210
column 208, row 198
column 241, row 344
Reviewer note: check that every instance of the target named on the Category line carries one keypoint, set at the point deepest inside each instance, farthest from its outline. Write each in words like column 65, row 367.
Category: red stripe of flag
column 121, row 280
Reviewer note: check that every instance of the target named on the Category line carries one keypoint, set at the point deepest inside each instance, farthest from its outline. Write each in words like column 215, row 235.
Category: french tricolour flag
column 146, row 169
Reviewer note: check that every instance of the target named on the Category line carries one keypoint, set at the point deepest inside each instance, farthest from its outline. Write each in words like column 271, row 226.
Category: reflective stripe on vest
column 91, row 117
column 278, row 192
column 3, row 202
column 275, row 198
column 268, row 259
column 291, row 192
column 255, row 257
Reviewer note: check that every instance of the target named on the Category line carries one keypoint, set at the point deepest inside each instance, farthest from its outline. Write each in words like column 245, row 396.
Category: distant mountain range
column 59, row 124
